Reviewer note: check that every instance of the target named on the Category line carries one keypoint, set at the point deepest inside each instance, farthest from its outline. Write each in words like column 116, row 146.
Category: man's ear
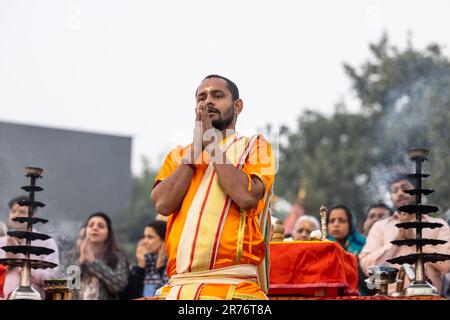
column 238, row 105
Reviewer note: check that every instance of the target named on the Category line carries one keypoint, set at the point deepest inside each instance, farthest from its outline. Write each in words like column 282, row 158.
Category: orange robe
column 210, row 233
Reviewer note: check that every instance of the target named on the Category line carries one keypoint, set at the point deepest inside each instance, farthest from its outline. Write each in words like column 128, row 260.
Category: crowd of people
column 373, row 244
column 105, row 272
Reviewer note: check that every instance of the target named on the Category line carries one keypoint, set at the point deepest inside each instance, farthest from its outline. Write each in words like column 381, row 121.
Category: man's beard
column 403, row 202
column 222, row 124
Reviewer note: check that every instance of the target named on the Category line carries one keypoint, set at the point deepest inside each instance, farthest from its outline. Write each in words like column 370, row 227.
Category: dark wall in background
column 83, row 172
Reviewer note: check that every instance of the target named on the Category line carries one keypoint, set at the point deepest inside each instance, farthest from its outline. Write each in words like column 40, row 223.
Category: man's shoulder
column 261, row 156
column 437, row 220
column 434, row 219
column 176, row 153
column 385, row 223
column 259, row 139
column 179, row 149
column 259, row 145
column 48, row 243
column 51, row 242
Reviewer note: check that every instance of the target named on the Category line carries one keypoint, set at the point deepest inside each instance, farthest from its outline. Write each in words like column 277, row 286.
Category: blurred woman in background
column 341, row 229
column 104, row 269
column 149, row 274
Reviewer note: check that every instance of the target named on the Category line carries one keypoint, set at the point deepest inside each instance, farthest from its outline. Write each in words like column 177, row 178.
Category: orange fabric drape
column 300, row 267
column 2, row 278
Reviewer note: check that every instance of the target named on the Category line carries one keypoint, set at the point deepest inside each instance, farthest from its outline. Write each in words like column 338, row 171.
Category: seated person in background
column 104, row 268
column 149, row 274
column 303, row 227
column 341, row 229
column 375, row 212
column 38, row 276
column 446, row 278
column 3, row 229
column 379, row 248
column 273, row 222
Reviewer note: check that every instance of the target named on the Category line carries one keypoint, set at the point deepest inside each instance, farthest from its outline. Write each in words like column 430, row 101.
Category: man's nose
column 209, row 101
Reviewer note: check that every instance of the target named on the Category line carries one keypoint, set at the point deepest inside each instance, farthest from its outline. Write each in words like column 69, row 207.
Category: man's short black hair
column 230, row 85
column 401, row 176
column 379, row 205
column 17, row 200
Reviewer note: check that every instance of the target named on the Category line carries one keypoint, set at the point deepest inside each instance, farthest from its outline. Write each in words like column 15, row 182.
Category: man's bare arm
column 235, row 183
column 169, row 193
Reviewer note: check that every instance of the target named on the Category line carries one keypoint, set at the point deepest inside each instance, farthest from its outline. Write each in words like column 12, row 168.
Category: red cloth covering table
column 2, row 278
column 312, row 268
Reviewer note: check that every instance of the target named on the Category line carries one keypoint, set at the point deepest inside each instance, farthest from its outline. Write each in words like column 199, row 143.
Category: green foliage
column 141, row 211
column 328, row 157
column 408, row 95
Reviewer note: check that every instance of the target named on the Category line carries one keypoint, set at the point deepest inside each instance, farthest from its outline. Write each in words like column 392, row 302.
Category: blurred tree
column 327, row 158
column 141, row 211
column 407, row 94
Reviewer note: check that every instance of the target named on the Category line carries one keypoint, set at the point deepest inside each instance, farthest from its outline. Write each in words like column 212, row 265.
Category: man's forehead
column 401, row 183
column 211, row 84
column 378, row 210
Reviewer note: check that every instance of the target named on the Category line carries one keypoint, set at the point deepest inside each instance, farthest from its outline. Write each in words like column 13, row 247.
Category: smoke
column 378, row 187
column 415, row 116
column 65, row 233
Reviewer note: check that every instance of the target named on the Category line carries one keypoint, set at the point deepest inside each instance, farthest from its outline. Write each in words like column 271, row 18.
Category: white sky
column 130, row 67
